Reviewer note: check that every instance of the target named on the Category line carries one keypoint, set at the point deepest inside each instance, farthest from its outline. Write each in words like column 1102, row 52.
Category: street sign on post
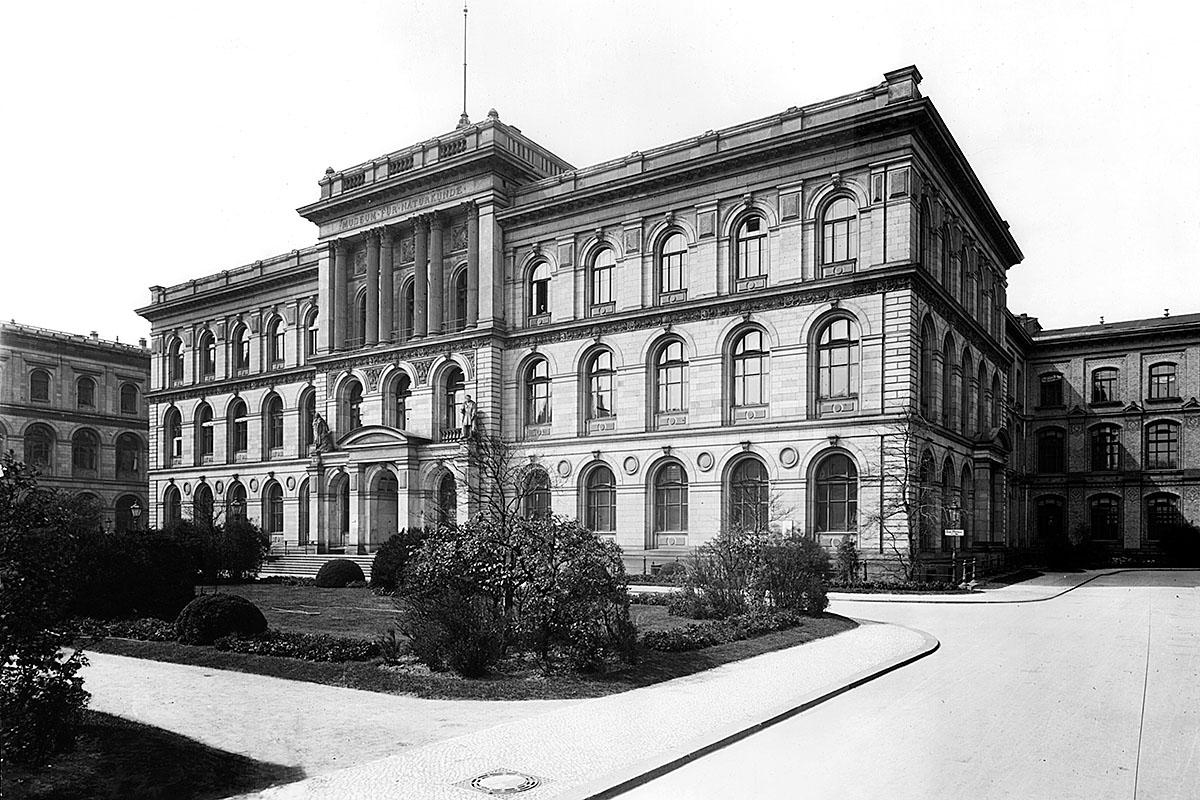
column 954, row 532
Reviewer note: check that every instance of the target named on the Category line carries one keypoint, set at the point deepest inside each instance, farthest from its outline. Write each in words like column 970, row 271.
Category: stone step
column 300, row 565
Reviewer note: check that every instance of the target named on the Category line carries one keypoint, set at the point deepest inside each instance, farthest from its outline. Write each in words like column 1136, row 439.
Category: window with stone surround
column 129, row 398
column 1050, row 390
column 1162, row 382
column 670, row 378
column 600, row 500
column 748, row 496
column 204, row 433
column 1051, row 451
column 1162, row 445
column 751, row 375
column 275, row 344
column 948, row 397
column 538, row 287
column 1104, row 517
column 836, row 495
column 308, row 413
column 173, row 436
column 1104, row 385
column 172, row 506
column 599, row 378
column 927, row 375
column 750, row 253
column 537, row 392
column 1106, row 448
column 353, row 392
column 85, row 452
column 453, row 396
column 175, row 362
column 202, row 505
column 670, row 499
column 273, row 508
column 458, row 297
column 672, row 259
column 1162, row 514
column 312, row 330
column 535, row 497
column 129, row 456
column 965, row 417
column 85, row 392
column 207, row 348
column 239, row 430
column 839, row 231
column 407, row 311
column 240, row 347
column 273, row 425
column 39, row 448
column 600, row 282
column 235, row 501
column 838, row 359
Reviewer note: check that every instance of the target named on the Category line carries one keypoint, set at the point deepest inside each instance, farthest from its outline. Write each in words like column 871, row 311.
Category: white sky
column 153, row 142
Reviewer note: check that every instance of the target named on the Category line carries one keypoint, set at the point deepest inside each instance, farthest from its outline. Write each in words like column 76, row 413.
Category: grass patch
column 117, row 759
column 515, row 679
column 310, row 609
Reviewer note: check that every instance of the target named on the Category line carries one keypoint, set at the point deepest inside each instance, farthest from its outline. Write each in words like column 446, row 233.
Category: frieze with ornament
column 422, row 367
column 373, row 375
column 235, row 385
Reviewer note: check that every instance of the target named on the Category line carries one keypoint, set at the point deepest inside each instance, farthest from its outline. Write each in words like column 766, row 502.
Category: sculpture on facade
column 468, row 414
column 322, row 438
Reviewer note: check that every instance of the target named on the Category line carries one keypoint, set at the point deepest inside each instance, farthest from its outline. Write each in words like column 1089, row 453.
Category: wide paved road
column 1094, row 694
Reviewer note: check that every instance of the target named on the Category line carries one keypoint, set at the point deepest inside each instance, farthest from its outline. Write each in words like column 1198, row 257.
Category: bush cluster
column 287, row 580
column 147, row 629
column 307, row 646
column 134, row 574
column 651, row 598
column 393, row 558
column 212, row 616
column 698, row 635
column 339, row 573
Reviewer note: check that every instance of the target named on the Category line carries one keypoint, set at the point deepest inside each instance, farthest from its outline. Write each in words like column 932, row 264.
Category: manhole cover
column 502, row 781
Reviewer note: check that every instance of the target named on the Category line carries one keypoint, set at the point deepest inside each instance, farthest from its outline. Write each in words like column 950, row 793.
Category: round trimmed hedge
column 339, row 573
column 211, row 616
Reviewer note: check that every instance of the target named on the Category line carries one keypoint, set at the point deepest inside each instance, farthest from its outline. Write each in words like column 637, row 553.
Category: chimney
column 142, row 342
column 1166, row 313
column 94, row 336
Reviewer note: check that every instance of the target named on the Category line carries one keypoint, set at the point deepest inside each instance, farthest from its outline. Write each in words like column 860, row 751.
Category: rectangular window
column 1162, row 447
column 602, row 286
column 671, row 279
column 1162, row 382
column 1104, row 385
column 1051, row 390
column 206, row 440
column 838, row 240
column 240, row 441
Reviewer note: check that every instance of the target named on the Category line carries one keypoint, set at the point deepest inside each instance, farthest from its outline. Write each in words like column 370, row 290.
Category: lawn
column 115, row 759
column 354, row 612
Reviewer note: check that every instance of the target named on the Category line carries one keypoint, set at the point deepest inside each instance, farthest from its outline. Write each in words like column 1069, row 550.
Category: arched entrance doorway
column 383, row 503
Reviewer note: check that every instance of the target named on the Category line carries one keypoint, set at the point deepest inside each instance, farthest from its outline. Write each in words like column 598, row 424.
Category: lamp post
column 135, row 511
column 238, row 507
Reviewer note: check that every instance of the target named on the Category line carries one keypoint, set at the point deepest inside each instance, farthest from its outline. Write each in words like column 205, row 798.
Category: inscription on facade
column 396, row 209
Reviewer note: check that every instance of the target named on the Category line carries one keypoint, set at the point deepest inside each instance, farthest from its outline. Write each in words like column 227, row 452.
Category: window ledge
column 838, row 268
column 602, row 310
column 1106, row 404
column 671, row 298
column 747, row 414
column 537, row 320
column 832, row 406
column 671, row 419
column 602, row 425
column 1059, row 407
column 539, row 431
column 750, row 284
column 1164, row 400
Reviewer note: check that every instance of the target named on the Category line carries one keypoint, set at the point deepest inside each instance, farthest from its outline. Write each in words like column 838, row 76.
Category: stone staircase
column 302, row 565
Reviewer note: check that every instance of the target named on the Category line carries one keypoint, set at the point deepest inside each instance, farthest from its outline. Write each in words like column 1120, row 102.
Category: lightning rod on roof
column 464, row 120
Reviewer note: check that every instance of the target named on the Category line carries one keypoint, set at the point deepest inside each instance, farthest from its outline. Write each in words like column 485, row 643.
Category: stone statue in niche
column 322, row 437
column 468, row 412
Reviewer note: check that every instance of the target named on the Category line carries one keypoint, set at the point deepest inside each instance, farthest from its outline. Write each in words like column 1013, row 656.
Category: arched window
column 240, row 347
column 39, row 386
column 1104, row 385
column 1162, row 515
column 129, row 398
column 670, row 377
column 836, row 497
column 599, row 376
column 207, row 348
column 1050, row 513
column 600, row 502
column 981, row 404
column 670, row 499
column 239, row 430
column 235, row 502
column 947, row 258
column 1104, row 517
column 459, row 297
column 1106, row 448
column 308, row 413
column 750, row 254
column 537, row 392
column 1050, row 394
column 175, row 362
column 951, row 510
column 749, row 496
column 129, row 456
column 407, row 310
column 39, row 448
column 1051, row 456
column 997, row 401
column 353, row 392
column 948, row 356
column 85, row 452
column 85, row 392
column 272, row 513
column 401, row 392
column 751, row 370
column 173, row 434
column 535, row 501
column 302, row 518
column 927, row 505
column 600, row 280
column 447, row 500
column 925, row 234
column 966, row 500
column 672, row 267
column 312, row 333
column 1162, row 445
column 453, row 395
column 839, row 232
column 539, row 290
column 1162, row 382
column 275, row 344
column 360, row 320
column 205, row 435
column 928, row 386
column 273, row 425
column 965, row 407
column 172, row 506
column 837, row 359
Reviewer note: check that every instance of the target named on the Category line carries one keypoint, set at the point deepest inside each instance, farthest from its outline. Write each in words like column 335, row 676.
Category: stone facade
column 75, row 407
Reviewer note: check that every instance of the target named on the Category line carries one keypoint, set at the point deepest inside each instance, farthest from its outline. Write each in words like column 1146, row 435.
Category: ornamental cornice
column 233, row 385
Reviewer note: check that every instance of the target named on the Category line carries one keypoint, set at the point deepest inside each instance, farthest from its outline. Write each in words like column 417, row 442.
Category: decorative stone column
column 340, row 310
column 387, row 312
column 436, row 277
column 472, row 265
column 371, row 329
column 421, row 279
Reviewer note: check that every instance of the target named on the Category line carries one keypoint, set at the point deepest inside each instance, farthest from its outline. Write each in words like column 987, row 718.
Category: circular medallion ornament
column 254, row 484
column 631, row 465
column 187, row 488
column 564, row 468
column 705, row 461
column 789, row 457
column 291, row 483
column 220, row 487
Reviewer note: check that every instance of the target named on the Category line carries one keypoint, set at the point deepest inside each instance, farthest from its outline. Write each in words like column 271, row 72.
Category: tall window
column 1050, row 451
column 670, row 499
column 536, row 500
column 1050, row 511
column 360, row 320
column 1106, row 448
column 603, row 267
column 85, row 392
column 452, row 398
column 239, row 428
column 947, row 258
column 274, row 423
column 1162, row 382
column 927, row 374
column 275, row 344
column 312, row 331
column 302, row 502
column 204, row 433
column 751, row 370
column 408, row 310
column 837, row 359
column 172, row 506
column 240, row 345
column 129, row 398
column 837, row 494
column 948, row 357
column 751, row 241
column 981, row 404
column 235, row 502
column 39, row 447
column 670, row 372
column 1162, row 514
column 400, row 403
column 85, row 452
column 173, row 433
column 925, row 232
column 672, row 263
column 1162, row 445
column 537, row 392
column 129, row 456
column 966, row 501
column 447, row 500
column 202, row 505
column 208, row 356
column 1051, row 390
column 354, row 398
column 175, row 362
column 839, row 232
column 460, row 300
column 1104, row 385
column 964, row 403
column 39, row 386
column 749, row 500
column 600, row 376
column 997, row 401
column 601, row 500
column 539, row 290
column 1104, row 517
column 273, row 507
column 308, row 413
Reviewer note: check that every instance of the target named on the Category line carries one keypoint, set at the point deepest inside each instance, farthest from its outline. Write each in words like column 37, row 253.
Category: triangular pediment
column 1193, row 403
column 378, row 436
column 1133, row 408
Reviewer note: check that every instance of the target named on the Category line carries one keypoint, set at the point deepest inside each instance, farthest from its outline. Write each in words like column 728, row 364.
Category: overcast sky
column 154, row 142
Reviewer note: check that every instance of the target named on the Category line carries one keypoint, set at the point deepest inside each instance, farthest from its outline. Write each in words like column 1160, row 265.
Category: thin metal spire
column 464, row 120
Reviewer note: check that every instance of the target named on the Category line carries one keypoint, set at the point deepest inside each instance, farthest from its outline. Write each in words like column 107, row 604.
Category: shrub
column 394, row 649
column 456, row 631
column 287, row 580
column 725, row 570
column 847, row 560
column 134, row 574
column 392, row 559
column 795, row 575
column 232, row 552
column 1181, row 545
column 41, row 707
column 211, row 616
column 148, row 629
column 306, row 646
column 652, row 598
column 690, row 603
column 699, row 635
column 339, row 573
